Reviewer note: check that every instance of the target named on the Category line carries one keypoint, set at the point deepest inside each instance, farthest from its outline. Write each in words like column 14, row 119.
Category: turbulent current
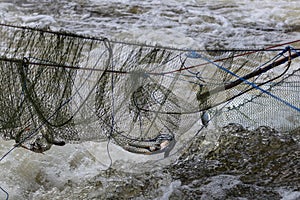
column 228, row 162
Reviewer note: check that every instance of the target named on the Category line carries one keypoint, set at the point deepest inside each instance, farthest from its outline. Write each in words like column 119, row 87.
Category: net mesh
column 58, row 87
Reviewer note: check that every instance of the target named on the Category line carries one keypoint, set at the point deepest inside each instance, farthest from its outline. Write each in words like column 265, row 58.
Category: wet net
column 58, row 87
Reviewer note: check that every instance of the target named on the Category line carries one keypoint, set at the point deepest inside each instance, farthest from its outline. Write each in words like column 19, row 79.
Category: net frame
column 91, row 82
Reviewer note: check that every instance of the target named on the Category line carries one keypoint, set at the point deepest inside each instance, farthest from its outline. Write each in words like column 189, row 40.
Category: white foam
column 169, row 190
column 289, row 194
column 39, row 19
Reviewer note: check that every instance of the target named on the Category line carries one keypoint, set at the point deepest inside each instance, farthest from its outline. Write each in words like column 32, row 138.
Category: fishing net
column 58, row 87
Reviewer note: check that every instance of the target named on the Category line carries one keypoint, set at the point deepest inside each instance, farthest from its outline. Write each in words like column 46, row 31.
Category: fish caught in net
column 59, row 87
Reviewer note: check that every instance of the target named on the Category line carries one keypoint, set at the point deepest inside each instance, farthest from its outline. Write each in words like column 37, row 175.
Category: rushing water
column 231, row 163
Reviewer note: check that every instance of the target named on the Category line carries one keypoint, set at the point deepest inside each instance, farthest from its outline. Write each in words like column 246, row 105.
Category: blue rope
column 253, row 84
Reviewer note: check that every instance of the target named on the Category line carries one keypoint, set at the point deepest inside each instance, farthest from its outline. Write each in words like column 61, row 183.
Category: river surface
column 226, row 163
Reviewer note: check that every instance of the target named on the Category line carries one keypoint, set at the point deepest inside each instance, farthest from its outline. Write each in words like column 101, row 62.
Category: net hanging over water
column 59, row 87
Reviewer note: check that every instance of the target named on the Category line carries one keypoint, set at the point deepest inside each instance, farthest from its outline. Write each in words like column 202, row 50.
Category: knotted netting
column 58, row 87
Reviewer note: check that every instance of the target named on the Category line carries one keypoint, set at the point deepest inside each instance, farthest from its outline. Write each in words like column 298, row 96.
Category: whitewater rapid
column 77, row 171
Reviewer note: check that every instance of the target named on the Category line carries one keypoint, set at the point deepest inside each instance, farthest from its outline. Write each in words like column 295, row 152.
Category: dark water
column 258, row 164
column 244, row 164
